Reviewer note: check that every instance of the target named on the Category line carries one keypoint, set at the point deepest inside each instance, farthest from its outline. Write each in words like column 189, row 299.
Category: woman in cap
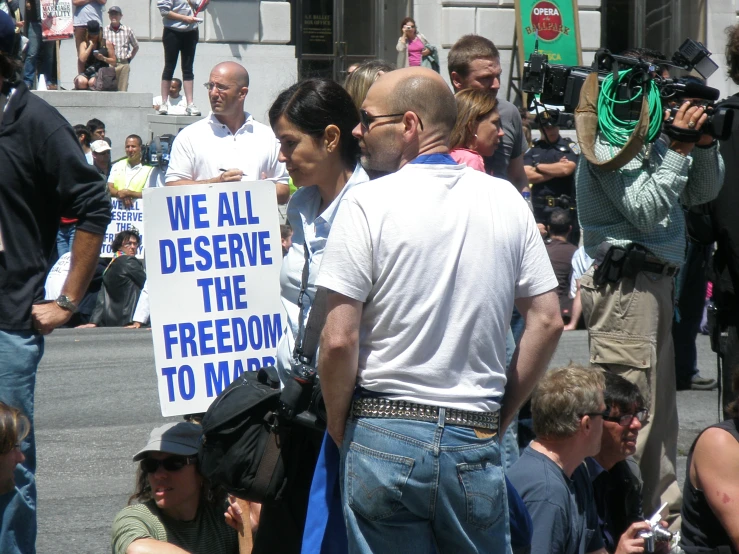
column 174, row 503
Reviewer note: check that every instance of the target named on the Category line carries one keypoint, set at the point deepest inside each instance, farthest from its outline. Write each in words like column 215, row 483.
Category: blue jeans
column 64, row 239
column 40, row 54
column 421, row 487
column 20, row 354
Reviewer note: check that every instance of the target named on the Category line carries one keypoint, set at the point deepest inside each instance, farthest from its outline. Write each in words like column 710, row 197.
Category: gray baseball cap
column 181, row 438
column 115, row 9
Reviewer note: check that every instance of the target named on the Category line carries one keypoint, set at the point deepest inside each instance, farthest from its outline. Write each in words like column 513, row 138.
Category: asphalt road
column 96, row 402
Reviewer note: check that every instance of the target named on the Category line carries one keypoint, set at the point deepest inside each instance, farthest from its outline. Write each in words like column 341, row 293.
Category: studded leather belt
column 400, row 409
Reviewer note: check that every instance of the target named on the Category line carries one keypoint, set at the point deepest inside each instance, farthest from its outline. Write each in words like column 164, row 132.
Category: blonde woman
column 477, row 132
column 361, row 79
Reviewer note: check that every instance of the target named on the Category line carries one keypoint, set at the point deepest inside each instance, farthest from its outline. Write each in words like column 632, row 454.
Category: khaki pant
column 629, row 326
column 122, row 69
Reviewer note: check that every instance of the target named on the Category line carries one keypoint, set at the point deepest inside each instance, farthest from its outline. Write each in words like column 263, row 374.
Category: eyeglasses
column 133, row 243
column 366, row 119
column 210, row 85
column 603, row 414
column 173, row 463
column 624, row 420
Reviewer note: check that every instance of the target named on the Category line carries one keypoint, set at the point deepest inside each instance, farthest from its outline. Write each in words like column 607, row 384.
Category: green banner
column 555, row 24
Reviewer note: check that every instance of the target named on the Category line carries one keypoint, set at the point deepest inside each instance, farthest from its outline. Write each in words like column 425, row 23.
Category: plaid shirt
column 123, row 40
column 641, row 202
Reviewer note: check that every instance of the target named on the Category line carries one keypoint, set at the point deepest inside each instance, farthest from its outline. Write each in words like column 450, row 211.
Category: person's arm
column 78, row 3
column 153, row 546
column 533, row 176
column 189, row 19
column 134, row 270
column 715, row 471
column 337, row 363
column 402, row 46
column 112, row 190
column 542, row 329
column 111, row 60
column 134, row 51
column 563, row 168
column 102, row 2
column 516, row 173
column 85, row 50
column 576, row 310
column 630, row 543
column 228, row 176
column 85, row 252
column 705, row 177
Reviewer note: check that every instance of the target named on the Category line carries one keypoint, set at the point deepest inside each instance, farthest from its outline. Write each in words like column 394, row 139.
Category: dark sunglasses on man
column 173, row 463
column 624, row 420
column 366, row 119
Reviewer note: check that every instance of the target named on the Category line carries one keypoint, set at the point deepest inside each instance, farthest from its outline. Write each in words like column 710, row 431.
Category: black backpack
column 243, row 438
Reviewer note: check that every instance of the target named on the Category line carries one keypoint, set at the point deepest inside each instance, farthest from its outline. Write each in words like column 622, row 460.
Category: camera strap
column 309, row 333
column 682, row 135
column 586, row 124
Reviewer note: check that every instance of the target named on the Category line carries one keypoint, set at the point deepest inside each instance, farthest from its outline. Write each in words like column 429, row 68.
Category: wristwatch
column 66, row 304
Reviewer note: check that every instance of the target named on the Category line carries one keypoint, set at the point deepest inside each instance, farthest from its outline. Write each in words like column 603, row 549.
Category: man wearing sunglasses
column 228, row 145
column 174, row 504
column 614, row 474
column 568, row 410
column 423, row 267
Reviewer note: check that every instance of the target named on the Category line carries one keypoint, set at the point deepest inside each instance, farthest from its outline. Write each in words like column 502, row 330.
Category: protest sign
column 56, row 19
column 214, row 286
column 121, row 219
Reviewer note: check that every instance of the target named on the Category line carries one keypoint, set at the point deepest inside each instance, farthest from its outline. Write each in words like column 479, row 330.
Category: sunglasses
column 366, row 119
column 625, row 420
column 604, row 414
column 173, row 463
column 210, row 85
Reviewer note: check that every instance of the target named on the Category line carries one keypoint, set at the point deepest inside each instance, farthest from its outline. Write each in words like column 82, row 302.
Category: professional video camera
column 157, row 152
column 560, row 85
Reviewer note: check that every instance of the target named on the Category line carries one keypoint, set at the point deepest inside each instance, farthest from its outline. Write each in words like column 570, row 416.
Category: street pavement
column 97, row 401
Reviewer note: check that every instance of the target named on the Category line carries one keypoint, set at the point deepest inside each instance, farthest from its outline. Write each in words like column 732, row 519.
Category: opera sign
column 546, row 22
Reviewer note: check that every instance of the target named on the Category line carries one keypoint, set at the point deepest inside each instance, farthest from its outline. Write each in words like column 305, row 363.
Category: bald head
column 424, row 92
column 232, row 71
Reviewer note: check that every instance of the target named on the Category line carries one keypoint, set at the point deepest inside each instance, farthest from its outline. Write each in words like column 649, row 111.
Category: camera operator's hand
column 687, row 117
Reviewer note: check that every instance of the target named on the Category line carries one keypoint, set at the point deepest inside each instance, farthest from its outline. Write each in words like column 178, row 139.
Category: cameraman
column 723, row 212
column 633, row 225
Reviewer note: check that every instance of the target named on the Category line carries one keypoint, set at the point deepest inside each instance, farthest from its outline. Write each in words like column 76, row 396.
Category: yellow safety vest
column 138, row 181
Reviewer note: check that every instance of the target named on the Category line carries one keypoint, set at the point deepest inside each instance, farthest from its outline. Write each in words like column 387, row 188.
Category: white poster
column 122, row 219
column 213, row 273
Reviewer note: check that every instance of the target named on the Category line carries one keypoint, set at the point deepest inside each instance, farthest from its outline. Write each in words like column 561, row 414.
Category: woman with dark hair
column 313, row 120
column 709, row 517
column 174, row 504
column 412, row 46
column 123, row 280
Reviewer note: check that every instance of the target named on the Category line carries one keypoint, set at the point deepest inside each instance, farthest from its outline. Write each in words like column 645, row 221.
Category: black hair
column 178, row 81
column 138, row 138
column 83, row 131
column 122, row 237
column 94, row 124
column 559, row 221
column 314, row 104
column 621, row 394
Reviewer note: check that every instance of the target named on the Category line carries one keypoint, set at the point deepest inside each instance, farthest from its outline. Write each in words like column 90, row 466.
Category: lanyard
column 306, row 343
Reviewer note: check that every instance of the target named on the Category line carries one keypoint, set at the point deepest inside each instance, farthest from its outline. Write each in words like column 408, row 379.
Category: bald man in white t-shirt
column 423, row 267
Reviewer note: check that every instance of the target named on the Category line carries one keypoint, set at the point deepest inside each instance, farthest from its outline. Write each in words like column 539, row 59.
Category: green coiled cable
column 616, row 131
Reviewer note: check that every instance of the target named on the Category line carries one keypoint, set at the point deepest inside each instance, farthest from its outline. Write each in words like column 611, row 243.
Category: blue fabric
column 434, row 159
column 522, row 528
column 64, row 239
column 20, row 354
column 400, row 487
column 40, row 54
column 325, row 532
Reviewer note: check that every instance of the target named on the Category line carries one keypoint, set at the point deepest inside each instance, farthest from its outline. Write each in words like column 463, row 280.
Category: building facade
column 278, row 41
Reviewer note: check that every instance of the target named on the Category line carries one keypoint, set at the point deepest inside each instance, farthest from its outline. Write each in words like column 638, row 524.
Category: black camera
column 157, row 152
column 560, row 85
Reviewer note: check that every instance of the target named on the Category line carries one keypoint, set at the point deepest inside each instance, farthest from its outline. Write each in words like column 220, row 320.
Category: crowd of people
column 443, row 307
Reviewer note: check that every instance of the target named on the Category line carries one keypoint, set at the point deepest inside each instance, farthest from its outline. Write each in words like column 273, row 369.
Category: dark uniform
column 557, row 192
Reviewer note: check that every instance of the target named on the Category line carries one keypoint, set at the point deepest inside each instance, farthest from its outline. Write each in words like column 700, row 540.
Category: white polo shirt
column 437, row 254
column 202, row 149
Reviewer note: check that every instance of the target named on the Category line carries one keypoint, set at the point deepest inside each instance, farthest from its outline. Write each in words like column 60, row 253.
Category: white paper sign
column 214, row 285
column 121, row 219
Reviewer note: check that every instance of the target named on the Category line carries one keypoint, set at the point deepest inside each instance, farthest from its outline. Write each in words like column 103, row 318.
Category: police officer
column 550, row 168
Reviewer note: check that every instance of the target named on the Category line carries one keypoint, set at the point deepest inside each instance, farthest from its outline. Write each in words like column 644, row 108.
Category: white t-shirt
column 175, row 106
column 437, row 253
column 57, row 276
column 202, row 149
column 581, row 262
